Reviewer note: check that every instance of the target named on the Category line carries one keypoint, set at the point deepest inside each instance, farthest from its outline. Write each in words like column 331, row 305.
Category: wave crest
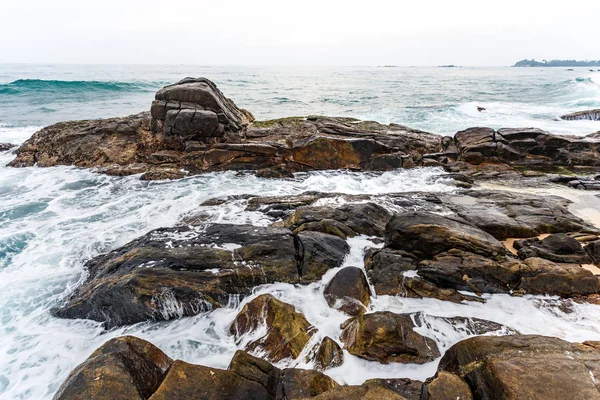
column 24, row 86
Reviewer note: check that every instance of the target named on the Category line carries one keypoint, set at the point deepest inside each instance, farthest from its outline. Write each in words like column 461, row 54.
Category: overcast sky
column 308, row 32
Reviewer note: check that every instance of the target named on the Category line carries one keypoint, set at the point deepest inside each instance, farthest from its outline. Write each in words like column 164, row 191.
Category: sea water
column 54, row 219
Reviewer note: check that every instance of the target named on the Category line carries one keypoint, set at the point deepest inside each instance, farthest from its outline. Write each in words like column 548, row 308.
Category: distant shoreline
column 557, row 63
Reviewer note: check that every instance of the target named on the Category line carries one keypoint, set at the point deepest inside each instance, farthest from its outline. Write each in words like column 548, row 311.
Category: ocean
column 54, row 219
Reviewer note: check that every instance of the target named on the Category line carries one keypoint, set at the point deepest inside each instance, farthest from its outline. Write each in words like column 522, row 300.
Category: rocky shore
column 193, row 128
column 457, row 247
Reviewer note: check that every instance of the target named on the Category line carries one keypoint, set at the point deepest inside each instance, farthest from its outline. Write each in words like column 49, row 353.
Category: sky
column 308, row 32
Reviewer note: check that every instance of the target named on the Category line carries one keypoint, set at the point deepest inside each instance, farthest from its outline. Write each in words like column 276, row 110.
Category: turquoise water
column 54, row 219
column 440, row 100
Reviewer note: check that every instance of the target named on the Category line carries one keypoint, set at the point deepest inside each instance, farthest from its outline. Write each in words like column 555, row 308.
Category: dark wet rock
column 426, row 234
column 387, row 271
column 524, row 367
column 514, row 215
column 466, row 271
column 415, row 287
column 447, row 386
column 329, row 354
column 182, row 271
column 593, row 250
column 276, row 172
column 525, row 147
column 257, row 370
column 347, row 220
column 584, row 184
column 6, row 146
column 593, row 115
column 122, row 368
column 387, row 337
column 409, row 389
column 559, row 248
column 287, row 331
column 348, row 291
column 363, row 392
column 268, row 204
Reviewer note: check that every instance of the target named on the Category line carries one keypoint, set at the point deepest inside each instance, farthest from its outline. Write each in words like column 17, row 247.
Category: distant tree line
column 557, row 63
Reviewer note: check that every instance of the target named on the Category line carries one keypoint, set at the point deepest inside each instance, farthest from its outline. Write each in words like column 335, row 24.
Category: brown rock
column 187, row 381
column 288, row 331
column 447, row 386
column 387, row 337
column 302, row 383
column 364, row 392
column 407, row 388
column 329, row 354
column 524, row 367
column 123, row 368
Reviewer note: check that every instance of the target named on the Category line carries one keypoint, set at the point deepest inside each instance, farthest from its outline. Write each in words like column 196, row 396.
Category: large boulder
column 426, row 235
column 524, row 367
column 182, row 271
column 286, row 331
column 559, row 248
column 195, row 109
column 348, row 291
column 387, row 337
column 124, row 368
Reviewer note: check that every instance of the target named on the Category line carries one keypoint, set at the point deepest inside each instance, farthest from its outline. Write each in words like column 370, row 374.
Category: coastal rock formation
column 482, row 367
column 193, row 128
column 387, row 337
column 286, row 331
column 593, row 115
column 182, row 271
